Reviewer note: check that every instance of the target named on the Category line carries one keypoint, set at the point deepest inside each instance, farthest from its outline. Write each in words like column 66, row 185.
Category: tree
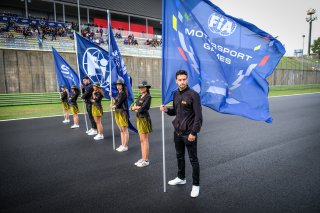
column 316, row 47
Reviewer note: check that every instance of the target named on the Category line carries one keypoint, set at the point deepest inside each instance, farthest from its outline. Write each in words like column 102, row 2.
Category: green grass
column 295, row 63
column 293, row 89
column 27, row 111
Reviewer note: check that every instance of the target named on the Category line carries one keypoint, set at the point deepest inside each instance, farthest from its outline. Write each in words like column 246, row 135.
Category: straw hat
column 119, row 81
column 144, row 84
column 96, row 84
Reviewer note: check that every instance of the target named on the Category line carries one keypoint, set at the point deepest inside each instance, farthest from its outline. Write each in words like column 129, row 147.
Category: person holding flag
column 144, row 125
column 97, row 110
column 66, row 77
column 86, row 96
column 64, row 101
column 120, row 106
column 187, row 124
column 74, row 106
column 119, row 71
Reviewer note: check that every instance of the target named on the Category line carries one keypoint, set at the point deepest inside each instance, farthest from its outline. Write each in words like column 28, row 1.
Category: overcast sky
column 283, row 18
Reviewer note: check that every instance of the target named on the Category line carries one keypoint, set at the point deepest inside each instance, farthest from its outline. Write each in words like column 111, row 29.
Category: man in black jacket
column 86, row 96
column 188, row 121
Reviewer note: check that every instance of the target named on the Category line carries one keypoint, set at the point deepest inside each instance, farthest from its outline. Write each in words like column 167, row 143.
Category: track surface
column 246, row 166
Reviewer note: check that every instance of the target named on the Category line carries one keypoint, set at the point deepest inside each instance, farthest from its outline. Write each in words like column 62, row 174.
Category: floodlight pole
column 310, row 19
column 302, row 51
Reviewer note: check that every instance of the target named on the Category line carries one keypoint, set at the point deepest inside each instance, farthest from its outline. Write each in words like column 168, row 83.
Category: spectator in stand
column 101, row 30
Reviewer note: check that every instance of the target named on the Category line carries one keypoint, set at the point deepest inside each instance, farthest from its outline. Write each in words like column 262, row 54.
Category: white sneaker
column 89, row 131
column 177, row 181
column 195, row 191
column 136, row 163
column 74, row 126
column 93, row 132
column 98, row 137
column 66, row 121
column 119, row 148
column 123, row 149
column 143, row 163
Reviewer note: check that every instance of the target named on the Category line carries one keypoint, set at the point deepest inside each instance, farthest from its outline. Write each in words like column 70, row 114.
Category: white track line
column 151, row 107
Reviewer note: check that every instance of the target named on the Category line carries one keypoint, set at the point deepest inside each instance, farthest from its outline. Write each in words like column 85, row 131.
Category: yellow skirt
column 74, row 109
column 144, row 125
column 65, row 105
column 97, row 111
column 121, row 118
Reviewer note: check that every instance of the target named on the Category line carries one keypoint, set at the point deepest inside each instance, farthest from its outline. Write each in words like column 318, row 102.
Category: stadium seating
column 66, row 44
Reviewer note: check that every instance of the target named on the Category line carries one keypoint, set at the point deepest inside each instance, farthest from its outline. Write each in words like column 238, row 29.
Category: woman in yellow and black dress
column 144, row 125
column 120, row 106
column 64, row 101
column 97, row 110
column 74, row 106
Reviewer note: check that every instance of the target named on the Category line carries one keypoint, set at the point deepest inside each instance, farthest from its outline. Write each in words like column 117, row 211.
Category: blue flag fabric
column 121, row 72
column 227, row 59
column 119, row 68
column 94, row 62
column 65, row 74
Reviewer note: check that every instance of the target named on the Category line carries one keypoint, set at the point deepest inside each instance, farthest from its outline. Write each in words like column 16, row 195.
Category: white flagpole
column 111, row 110
column 163, row 155
column 163, row 67
column 84, row 109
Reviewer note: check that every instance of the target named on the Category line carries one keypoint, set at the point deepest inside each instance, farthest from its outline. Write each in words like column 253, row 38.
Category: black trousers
column 89, row 110
column 181, row 141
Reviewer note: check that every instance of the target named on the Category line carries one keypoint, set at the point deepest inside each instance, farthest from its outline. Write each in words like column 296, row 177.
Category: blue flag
column 227, row 59
column 65, row 74
column 119, row 68
column 121, row 72
column 93, row 62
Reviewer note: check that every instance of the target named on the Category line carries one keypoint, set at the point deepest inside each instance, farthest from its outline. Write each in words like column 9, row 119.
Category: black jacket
column 97, row 99
column 87, row 93
column 188, row 112
column 121, row 101
column 144, row 104
column 73, row 97
column 64, row 97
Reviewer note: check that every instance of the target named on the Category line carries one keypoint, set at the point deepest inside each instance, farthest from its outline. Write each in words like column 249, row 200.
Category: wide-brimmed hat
column 96, row 84
column 74, row 87
column 119, row 81
column 144, row 84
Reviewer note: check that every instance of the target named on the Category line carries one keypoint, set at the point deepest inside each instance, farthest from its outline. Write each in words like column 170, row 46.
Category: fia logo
column 221, row 25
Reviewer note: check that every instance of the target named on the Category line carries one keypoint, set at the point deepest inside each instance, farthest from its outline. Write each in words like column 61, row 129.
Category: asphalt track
column 246, row 166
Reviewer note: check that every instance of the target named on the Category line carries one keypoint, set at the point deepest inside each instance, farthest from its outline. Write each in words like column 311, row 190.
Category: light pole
column 310, row 19
column 302, row 50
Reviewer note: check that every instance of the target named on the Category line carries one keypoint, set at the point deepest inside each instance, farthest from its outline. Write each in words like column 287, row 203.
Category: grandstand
column 30, row 28
column 21, row 24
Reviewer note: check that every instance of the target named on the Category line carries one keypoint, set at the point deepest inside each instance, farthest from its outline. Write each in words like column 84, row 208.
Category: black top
column 73, row 97
column 97, row 99
column 87, row 93
column 188, row 112
column 121, row 101
column 64, row 97
column 144, row 103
